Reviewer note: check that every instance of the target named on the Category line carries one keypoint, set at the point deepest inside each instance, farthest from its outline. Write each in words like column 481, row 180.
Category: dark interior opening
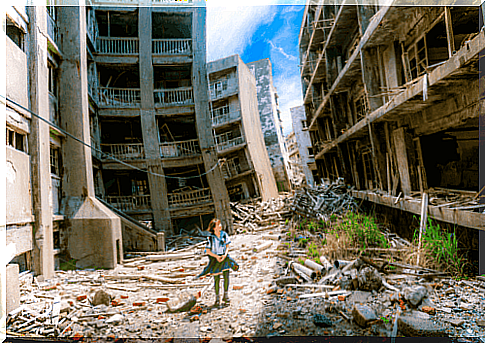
column 171, row 25
column 119, row 77
column 117, row 24
column 15, row 33
column 123, row 183
column 186, row 178
column 176, row 129
column 172, row 77
column 437, row 44
column 465, row 24
column 119, row 132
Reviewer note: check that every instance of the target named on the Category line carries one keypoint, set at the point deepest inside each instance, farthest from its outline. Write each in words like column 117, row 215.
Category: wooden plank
column 424, row 218
column 402, row 160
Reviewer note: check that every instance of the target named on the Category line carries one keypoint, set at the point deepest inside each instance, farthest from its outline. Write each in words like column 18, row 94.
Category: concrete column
column 364, row 14
column 92, row 235
column 481, row 176
column 202, row 117
column 39, row 146
column 149, row 127
column 402, row 160
column 371, row 77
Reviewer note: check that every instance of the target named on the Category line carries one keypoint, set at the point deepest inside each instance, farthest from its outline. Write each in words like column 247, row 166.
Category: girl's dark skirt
column 216, row 268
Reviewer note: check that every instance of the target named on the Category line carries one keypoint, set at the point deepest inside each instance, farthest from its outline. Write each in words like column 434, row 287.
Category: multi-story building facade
column 295, row 170
column 303, row 144
column 392, row 102
column 151, row 110
column 269, row 114
column 130, row 82
column 237, row 130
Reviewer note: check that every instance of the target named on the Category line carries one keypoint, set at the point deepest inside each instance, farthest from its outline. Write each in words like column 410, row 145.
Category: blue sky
column 257, row 32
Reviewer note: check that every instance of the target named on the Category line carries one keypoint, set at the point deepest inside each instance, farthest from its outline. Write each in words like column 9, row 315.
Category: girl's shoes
column 226, row 298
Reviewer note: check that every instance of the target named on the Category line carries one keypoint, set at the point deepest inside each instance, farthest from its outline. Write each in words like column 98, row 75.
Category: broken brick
column 124, row 297
column 81, row 297
column 139, row 303
column 428, row 310
column 140, row 267
column 341, row 297
column 116, row 302
column 280, row 291
column 271, row 290
column 237, row 287
column 162, row 300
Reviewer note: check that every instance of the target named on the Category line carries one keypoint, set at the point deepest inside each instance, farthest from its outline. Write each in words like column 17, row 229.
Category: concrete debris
column 279, row 289
column 322, row 201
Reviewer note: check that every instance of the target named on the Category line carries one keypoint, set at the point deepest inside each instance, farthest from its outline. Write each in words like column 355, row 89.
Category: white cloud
column 230, row 28
column 279, row 49
column 289, row 95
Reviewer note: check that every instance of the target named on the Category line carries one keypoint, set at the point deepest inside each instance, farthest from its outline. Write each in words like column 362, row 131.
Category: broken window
column 171, row 25
column 15, row 33
column 310, row 151
column 16, row 140
column 361, row 106
column 304, row 125
column 236, row 192
column 55, row 160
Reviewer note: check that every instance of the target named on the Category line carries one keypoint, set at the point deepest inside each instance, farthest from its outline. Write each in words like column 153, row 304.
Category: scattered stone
column 276, row 326
column 481, row 322
column 101, row 298
column 414, row 295
column 321, row 320
column 363, row 315
column 81, row 297
column 411, row 326
column 359, row 297
column 455, row 321
column 286, row 280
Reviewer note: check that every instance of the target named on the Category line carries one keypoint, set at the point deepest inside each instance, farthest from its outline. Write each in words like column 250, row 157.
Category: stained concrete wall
column 253, row 133
column 16, row 75
column 270, row 121
column 13, row 288
column 17, row 173
column 303, row 140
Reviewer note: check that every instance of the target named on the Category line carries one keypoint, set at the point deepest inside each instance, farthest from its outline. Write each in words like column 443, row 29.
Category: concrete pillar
column 364, row 14
column 39, row 146
column 203, row 120
column 481, row 176
column 149, row 127
column 371, row 77
column 402, row 160
column 93, row 233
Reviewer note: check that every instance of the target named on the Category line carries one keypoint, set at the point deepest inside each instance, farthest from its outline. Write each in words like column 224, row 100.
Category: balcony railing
column 222, row 116
column 173, row 97
column 117, row 45
column 92, row 27
column 231, row 169
column 119, row 97
column 180, row 149
column 124, row 151
column 222, row 88
column 172, row 46
column 189, row 198
column 227, row 144
column 130, row 203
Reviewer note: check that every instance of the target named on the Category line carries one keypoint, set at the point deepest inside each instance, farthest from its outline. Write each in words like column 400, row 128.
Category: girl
column 219, row 262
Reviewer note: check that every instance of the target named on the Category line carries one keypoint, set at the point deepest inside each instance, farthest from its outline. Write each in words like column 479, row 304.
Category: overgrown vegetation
column 440, row 249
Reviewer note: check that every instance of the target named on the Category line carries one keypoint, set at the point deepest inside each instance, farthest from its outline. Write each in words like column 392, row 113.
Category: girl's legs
column 225, row 274
column 217, row 278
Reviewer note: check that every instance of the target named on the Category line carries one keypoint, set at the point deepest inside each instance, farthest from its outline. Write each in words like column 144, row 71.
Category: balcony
column 124, row 151
column 232, row 169
column 196, row 197
column 118, row 97
column 130, row 203
column 180, row 149
column 222, row 115
column 224, row 143
column 222, row 88
column 174, row 97
column 117, row 45
column 172, row 46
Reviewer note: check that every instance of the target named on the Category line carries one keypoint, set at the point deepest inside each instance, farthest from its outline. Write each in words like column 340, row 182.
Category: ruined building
column 392, row 103
column 131, row 82
column 237, row 130
column 303, row 144
column 269, row 114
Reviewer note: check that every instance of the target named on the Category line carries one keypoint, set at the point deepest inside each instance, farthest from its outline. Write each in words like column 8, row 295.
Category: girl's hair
column 212, row 224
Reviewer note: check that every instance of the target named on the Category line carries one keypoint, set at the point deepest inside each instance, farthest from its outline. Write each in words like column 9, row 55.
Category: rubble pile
column 259, row 215
column 279, row 289
column 322, row 201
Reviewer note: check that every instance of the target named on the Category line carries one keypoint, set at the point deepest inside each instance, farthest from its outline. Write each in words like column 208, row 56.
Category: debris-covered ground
column 279, row 289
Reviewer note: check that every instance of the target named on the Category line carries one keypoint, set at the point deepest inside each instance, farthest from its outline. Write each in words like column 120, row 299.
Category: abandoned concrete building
column 303, row 144
column 131, row 82
column 270, row 117
column 237, row 130
column 392, row 102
